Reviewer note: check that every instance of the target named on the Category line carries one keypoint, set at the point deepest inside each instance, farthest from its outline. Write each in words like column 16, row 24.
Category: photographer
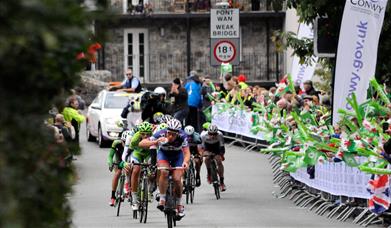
column 153, row 102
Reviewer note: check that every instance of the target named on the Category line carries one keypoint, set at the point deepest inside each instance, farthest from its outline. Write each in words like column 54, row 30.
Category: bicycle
column 143, row 190
column 214, row 175
column 119, row 193
column 170, row 206
column 190, row 181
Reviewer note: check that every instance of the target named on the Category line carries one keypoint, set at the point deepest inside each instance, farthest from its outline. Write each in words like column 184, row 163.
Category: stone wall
column 167, row 50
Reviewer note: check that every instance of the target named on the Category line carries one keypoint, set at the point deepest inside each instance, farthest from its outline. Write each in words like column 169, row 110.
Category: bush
column 38, row 44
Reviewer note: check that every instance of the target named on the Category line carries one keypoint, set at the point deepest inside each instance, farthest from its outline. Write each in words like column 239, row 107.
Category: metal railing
column 164, row 67
column 182, row 6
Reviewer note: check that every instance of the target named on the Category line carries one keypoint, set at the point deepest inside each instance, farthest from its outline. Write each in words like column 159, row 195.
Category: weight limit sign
column 224, row 51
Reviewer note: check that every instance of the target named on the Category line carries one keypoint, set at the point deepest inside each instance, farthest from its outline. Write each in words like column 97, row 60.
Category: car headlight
column 113, row 134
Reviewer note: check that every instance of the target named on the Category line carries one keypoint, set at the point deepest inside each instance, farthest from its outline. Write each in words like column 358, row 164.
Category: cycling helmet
column 167, row 118
column 205, row 126
column 125, row 134
column 157, row 117
column 145, row 127
column 160, row 90
column 213, row 129
column 162, row 126
column 189, row 130
column 174, row 125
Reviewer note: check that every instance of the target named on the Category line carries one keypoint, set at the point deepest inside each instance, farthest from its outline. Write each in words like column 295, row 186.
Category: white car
column 104, row 117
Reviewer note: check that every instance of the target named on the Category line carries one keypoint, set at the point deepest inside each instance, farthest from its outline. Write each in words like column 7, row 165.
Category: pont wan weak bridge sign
column 224, row 36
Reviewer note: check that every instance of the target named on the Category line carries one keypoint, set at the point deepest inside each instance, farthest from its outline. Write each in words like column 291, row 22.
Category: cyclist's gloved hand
column 110, row 166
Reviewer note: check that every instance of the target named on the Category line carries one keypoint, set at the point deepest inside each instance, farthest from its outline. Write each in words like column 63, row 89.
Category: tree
column 39, row 40
column 308, row 10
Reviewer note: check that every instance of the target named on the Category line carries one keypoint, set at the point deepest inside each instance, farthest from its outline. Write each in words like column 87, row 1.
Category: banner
column 234, row 121
column 302, row 72
column 337, row 179
column 357, row 51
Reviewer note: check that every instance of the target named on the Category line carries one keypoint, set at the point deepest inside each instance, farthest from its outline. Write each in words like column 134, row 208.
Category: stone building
column 164, row 39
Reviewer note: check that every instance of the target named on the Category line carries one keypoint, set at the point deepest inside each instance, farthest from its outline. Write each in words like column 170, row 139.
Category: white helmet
column 160, row 90
column 213, row 129
column 189, row 130
column 174, row 125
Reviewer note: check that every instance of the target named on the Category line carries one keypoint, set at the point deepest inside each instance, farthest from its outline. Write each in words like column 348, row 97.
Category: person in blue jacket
column 194, row 100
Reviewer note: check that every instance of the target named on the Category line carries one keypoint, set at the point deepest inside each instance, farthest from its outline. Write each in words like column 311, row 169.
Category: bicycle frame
column 170, row 206
column 214, row 174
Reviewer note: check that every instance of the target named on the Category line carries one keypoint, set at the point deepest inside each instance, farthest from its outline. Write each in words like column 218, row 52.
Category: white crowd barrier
column 234, row 121
column 335, row 178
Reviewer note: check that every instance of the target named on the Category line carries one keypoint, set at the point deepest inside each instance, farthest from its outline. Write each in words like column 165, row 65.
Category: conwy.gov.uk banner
column 302, row 72
column 357, row 51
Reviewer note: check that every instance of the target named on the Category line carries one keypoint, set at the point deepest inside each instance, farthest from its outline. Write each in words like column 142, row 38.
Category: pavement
column 248, row 202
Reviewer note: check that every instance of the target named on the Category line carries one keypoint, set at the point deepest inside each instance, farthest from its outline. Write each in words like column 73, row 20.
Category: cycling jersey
column 194, row 140
column 171, row 148
column 139, row 154
column 127, row 149
column 115, row 153
column 171, row 152
column 213, row 144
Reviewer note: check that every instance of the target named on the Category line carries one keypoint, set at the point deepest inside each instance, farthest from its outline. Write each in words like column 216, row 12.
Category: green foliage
column 325, row 75
column 303, row 48
column 39, row 40
column 308, row 10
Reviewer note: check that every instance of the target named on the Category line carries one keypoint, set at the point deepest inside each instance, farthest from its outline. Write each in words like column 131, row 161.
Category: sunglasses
column 144, row 134
column 172, row 133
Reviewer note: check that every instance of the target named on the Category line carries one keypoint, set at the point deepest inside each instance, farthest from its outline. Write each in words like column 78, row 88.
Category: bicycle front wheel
column 215, row 180
column 144, row 201
column 170, row 219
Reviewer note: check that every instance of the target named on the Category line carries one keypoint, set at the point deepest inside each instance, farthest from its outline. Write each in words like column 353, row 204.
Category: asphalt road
column 248, row 201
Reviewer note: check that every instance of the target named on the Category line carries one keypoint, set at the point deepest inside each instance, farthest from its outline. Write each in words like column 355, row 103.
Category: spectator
column 76, row 94
column 131, row 84
column 194, row 100
column 309, row 89
column 73, row 115
column 65, row 128
column 242, row 81
column 179, row 98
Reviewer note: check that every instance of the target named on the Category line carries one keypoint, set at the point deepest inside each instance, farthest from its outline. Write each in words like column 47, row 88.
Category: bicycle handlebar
column 170, row 168
column 142, row 164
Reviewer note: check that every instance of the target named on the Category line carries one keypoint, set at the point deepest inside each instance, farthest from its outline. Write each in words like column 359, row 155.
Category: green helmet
column 145, row 127
column 205, row 126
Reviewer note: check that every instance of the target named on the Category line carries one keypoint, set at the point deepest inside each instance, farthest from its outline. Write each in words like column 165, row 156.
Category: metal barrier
column 339, row 208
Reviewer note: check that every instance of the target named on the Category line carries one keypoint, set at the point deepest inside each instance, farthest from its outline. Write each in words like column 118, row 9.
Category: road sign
column 224, row 23
column 224, row 51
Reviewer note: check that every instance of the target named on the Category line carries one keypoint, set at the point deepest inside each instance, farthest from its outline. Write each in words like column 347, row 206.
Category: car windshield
column 116, row 100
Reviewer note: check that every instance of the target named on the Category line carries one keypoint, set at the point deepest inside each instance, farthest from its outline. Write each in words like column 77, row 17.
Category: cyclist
column 157, row 117
column 173, row 151
column 194, row 139
column 213, row 143
column 139, row 155
column 115, row 156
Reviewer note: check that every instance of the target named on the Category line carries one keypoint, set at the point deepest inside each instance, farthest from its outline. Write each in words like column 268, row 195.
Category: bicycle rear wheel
column 192, row 184
column 120, row 190
column 187, row 186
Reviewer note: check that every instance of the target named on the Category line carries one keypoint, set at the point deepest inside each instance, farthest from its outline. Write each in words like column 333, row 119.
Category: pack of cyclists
column 163, row 141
